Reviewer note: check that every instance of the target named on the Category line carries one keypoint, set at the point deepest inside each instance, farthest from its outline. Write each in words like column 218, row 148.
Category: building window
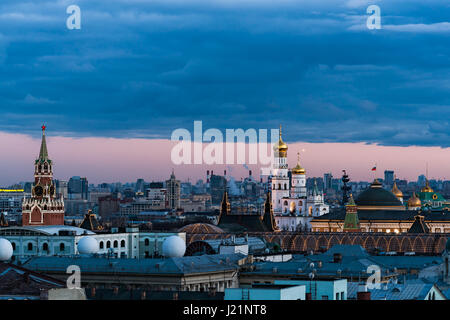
column 108, row 244
column 101, row 244
column 122, row 244
column 13, row 245
column 146, row 242
column 30, row 246
column 62, row 247
column 45, row 247
column 116, row 244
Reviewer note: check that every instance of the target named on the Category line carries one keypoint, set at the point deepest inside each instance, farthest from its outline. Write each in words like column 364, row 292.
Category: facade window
column 13, row 245
column 45, row 247
column 62, row 247
column 116, row 244
column 108, row 244
column 122, row 244
column 101, row 245
column 146, row 242
column 30, row 246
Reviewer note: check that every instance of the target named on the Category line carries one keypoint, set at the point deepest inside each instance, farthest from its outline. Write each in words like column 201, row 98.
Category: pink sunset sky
column 125, row 160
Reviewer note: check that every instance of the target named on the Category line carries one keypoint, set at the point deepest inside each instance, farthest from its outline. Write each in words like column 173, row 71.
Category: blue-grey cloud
column 144, row 68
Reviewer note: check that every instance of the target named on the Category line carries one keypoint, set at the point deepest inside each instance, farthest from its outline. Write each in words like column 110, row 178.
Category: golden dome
column 427, row 187
column 280, row 147
column 396, row 191
column 414, row 201
column 298, row 168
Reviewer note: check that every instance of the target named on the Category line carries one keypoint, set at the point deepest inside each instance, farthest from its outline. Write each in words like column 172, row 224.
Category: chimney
column 337, row 258
column 363, row 293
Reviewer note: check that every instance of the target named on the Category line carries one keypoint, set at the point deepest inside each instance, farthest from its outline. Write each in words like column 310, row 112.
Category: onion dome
column 414, row 201
column 298, row 168
column 280, row 147
column 427, row 187
column 396, row 191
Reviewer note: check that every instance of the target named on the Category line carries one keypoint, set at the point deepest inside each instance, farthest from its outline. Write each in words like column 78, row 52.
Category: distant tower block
column 43, row 208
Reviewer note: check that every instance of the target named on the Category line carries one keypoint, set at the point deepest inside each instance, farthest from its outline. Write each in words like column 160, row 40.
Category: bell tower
column 43, row 208
column 280, row 179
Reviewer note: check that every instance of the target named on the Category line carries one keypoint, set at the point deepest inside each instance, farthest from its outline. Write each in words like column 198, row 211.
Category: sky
column 137, row 70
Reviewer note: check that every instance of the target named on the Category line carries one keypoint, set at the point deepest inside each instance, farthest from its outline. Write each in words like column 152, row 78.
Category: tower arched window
column 122, row 244
column 108, row 244
column 285, row 187
column 101, row 245
column 116, row 244
column 279, row 186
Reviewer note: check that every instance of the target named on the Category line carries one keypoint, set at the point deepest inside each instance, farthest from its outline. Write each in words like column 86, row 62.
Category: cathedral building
column 293, row 205
column 379, row 210
column 43, row 208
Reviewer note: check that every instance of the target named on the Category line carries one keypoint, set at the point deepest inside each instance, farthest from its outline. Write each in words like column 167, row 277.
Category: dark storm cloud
column 144, row 68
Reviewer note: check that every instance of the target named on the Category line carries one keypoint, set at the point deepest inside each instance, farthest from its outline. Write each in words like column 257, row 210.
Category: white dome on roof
column 88, row 245
column 6, row 250
column 173, row 247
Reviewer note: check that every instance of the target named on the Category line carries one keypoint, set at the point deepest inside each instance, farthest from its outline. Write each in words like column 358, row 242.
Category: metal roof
column 172, row 266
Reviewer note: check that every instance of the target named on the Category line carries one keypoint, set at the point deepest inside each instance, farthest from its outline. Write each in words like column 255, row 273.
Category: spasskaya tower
column 43, row 208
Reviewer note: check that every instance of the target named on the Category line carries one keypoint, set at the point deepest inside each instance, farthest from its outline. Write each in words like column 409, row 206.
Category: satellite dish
column 6, row 250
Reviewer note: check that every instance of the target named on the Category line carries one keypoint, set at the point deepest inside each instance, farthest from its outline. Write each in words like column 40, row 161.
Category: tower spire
column 43, row 153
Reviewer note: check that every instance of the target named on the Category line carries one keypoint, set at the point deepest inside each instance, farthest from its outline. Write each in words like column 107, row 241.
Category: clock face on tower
column 38, row 191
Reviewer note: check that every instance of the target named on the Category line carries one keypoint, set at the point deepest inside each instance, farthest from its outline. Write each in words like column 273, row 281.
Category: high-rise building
column 388, row 177
column 140, row 185
column 327, row 180
column 62, row 188
column 421, row 180
column 78, row 188
column 173, row 192
column 43, row 208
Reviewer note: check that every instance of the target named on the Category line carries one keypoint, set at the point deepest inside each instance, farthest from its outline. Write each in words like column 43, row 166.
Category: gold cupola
column 396, row 191
column 280, row 147
column 427, row 187
column 298, row 168
column 414, row 201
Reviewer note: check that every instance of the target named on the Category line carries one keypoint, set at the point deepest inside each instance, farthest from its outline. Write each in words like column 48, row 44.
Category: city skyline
column 111, row 160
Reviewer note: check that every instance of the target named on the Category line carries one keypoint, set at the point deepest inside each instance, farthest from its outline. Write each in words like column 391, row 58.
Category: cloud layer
column 141, row 69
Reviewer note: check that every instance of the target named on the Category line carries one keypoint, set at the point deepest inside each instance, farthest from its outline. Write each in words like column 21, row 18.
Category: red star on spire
column 43, row 127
